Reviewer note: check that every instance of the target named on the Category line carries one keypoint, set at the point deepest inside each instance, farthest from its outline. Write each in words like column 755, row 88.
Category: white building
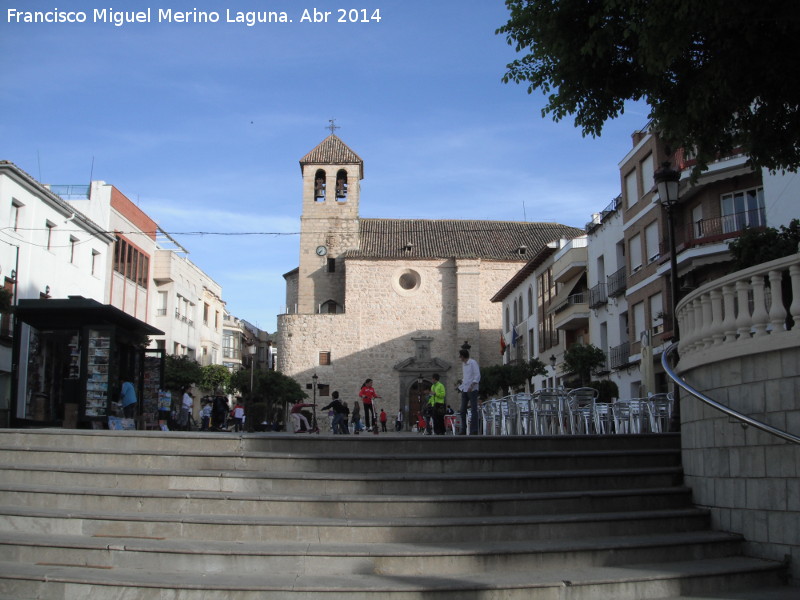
column 607, row 273
column 188, row 308
column 49, row 250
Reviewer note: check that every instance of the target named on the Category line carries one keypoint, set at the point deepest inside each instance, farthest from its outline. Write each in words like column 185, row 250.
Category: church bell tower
column 332, row 173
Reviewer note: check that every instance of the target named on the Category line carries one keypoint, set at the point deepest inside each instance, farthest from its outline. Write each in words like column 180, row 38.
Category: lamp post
column 553, row 365
column 314, row 379
column 667, row 179
column 252, row 349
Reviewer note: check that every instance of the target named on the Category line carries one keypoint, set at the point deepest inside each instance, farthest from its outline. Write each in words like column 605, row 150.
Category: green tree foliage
column 756, row 246
column 606, row 389
column 712, row 72
column 214, row 377
column 180, row 372
column 496, row 379
column 272, row 387
column 581, row 360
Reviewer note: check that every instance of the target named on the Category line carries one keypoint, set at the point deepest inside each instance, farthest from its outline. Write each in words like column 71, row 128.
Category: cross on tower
column 332, row 125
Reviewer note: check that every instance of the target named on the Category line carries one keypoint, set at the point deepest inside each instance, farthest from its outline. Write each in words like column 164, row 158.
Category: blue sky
column 204, row 124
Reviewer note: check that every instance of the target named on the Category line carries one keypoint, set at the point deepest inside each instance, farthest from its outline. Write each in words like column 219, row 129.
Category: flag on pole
column 503, row 344
column 514, row 336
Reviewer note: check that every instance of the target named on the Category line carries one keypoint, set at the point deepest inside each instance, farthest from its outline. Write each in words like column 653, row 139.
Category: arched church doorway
column 417, row 397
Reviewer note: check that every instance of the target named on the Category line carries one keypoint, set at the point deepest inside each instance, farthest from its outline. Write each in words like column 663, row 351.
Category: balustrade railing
column 619, row 356
column 759, row 301
column 617, row 282
column 598, row 296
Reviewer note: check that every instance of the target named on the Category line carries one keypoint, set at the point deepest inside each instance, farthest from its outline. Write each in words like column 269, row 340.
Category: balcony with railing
column 617, row 283
column 713, row 231
column 598, row 296
column 573, row 313
column 619, row 356
column 571, row 260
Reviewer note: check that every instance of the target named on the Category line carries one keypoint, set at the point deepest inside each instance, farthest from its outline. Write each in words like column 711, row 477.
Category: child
column 205, row 416
column 383, row 420
column 238, row 415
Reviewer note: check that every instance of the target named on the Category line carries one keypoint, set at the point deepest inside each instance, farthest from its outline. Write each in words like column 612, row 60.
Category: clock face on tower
column 321, row 250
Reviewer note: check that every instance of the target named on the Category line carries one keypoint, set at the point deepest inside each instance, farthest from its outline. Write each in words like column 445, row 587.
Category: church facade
column 392, row 300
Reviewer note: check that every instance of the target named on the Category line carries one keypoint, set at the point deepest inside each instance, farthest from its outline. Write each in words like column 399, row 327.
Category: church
column 392, row 300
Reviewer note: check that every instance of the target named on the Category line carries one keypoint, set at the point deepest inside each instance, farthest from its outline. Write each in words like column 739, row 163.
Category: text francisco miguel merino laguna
column 167, row 15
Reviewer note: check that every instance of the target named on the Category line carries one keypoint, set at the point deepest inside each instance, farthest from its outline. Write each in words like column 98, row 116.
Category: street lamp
column 667, row 179
column 314, row 379
column 252, row 349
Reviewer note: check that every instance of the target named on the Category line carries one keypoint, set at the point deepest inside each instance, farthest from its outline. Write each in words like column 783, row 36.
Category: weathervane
column 333, row 126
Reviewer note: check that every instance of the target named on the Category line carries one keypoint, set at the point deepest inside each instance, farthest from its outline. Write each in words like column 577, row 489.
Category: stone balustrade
column 737, row 314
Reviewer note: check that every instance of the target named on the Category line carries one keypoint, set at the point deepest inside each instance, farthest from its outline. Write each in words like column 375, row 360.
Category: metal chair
column 630, row 415
column 549, row 412
column 582, row 415
column 659, row 410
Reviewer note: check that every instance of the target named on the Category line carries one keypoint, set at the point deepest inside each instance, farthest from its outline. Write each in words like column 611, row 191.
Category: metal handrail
column 721, row 407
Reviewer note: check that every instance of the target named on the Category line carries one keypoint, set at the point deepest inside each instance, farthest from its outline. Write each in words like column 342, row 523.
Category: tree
column 499, row 378
column 181, row 372
column 712, row 72
column 581, row 360
column 271, row 386
column 214, row 377
column 756, row 246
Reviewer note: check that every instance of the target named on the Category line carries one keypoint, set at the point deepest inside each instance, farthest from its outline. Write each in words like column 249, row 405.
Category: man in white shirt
column 469, row 392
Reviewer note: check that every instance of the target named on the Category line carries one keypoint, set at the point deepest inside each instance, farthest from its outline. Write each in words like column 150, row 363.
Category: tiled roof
column 333, row 151
column 491, row 240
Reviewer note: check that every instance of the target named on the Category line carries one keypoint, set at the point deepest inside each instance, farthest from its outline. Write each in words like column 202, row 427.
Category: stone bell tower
column 329, row 224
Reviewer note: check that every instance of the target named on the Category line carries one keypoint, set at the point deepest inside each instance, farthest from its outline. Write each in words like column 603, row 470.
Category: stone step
column 432, row 484
column 342, row 462
column 401, row 444
column 358, row 528
column 337, row 558
column 639, row 582
column 339, row 506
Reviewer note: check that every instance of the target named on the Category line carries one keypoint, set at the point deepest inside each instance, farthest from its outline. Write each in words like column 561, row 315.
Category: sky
column 203, row 124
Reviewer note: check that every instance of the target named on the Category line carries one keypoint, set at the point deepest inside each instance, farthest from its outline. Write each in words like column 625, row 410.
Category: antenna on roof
column 524, row 214
column 332, row 126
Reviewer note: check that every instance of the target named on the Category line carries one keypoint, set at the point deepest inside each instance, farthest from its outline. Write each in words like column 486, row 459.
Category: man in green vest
column 436, row 402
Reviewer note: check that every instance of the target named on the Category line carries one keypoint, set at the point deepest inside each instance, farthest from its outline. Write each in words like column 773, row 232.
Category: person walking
column 356, row 418
column 219, row 411
column 339, row 412
column 205, row 416
column 383, row 419
column 437, row 404
column 127, row 398
column 238, row 415
column 298, row 418
column 398, row 423
column 187, row 403
column 470, row 382
column 367, row 395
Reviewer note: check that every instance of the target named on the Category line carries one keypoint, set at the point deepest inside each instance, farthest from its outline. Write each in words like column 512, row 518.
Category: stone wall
column 749, row 480
column 449, row 304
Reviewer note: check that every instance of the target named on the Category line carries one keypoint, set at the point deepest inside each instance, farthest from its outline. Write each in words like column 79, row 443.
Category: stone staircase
column 190, row 516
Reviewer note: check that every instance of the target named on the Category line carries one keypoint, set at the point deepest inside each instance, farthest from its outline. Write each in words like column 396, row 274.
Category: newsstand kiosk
column 70, row 357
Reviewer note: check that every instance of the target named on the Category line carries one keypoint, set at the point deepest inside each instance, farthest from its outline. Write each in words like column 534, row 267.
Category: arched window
column 508, row 322
column 319, row 186
column 341, row 186
column 329, row 307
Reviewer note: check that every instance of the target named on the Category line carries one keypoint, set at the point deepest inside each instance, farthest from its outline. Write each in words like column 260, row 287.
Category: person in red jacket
column 367, row 395
column 383, row 418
